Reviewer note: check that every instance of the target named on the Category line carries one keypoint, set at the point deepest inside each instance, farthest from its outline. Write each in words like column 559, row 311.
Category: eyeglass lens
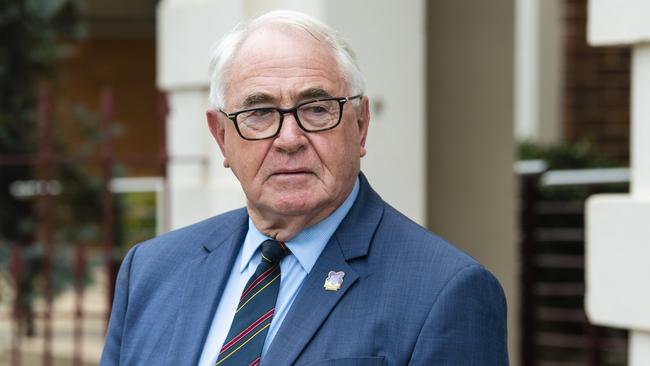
column 265, row 122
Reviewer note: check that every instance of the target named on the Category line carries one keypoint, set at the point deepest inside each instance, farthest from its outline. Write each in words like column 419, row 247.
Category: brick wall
column 596, row 103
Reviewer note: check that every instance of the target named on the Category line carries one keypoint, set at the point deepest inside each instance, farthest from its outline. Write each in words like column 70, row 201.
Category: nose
column 291, row 137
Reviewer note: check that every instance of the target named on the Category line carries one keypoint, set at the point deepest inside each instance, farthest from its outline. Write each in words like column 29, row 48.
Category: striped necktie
column 255, row 311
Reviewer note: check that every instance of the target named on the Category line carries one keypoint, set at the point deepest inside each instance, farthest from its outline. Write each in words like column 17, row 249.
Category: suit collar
column 234, row 224
column 313, row 303
column 358, row 227
column 204, row 281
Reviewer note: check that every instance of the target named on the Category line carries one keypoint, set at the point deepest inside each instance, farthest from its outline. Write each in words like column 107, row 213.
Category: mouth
column 287, row 172
column 292, row 175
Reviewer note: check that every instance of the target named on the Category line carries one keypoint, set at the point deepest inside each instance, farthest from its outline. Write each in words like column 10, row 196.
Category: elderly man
column 317, row 269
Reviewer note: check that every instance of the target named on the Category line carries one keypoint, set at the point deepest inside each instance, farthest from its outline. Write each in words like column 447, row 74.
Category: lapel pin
column 334, row 281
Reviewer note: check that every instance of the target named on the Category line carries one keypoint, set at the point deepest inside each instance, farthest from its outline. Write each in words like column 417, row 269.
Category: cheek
column 351, row 143
column 340, row 154
column 246, row 158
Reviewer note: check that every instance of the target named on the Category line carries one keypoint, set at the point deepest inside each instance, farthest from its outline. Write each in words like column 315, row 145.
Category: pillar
column 618, row 230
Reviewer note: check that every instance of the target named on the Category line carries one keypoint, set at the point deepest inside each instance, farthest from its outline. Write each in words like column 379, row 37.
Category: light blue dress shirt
column 305, row 248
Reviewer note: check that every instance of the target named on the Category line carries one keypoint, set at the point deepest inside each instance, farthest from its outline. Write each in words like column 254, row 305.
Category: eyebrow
column 257, row 98
column 313, row 93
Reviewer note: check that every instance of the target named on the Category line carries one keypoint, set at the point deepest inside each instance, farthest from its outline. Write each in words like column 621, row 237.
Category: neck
column 284, row 228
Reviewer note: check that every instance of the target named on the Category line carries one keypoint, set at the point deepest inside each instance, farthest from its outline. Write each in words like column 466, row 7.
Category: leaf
column 45, row 9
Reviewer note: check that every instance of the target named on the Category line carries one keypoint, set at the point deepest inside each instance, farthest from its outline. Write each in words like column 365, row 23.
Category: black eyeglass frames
column 312, row 116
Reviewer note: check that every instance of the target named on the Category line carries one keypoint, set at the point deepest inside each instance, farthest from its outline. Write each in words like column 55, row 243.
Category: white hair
column 226, row 49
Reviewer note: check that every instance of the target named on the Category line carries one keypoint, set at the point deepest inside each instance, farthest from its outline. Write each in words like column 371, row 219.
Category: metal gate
column 555, row 330
column 30, row 326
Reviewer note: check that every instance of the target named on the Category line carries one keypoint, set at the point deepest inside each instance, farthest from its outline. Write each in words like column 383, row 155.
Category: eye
column 261, row 112
column 317, row 108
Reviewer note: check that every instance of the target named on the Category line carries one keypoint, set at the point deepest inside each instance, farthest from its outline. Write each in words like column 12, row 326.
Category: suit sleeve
column 466, row 325
column 116, row 325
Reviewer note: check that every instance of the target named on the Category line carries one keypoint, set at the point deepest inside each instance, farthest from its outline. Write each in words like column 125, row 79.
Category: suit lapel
column 310, row 308
column 313, row 303
column 205, row 280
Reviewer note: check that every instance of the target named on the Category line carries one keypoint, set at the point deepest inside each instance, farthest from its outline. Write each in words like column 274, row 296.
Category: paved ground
column 93, row 327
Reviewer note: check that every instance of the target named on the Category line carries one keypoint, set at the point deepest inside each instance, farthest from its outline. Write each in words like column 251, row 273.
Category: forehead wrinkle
column 262, row 75
column 286, row 67
column 263, row 89
column 266, row 73
column 283, row 51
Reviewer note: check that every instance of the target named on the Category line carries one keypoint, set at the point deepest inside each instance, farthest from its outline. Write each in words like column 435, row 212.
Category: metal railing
column 555, row 330
column 23, row 321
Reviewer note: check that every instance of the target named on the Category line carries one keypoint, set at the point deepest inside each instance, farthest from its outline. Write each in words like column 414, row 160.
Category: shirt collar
column 308, row 244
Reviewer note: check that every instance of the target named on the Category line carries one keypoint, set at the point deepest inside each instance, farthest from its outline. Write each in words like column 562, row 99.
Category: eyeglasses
column 312, row 116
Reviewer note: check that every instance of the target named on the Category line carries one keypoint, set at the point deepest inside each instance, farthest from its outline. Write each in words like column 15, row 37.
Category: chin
column 298, row 208
column 298, row 204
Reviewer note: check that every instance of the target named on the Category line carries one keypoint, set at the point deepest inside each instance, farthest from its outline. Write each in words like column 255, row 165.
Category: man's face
column 295, row 173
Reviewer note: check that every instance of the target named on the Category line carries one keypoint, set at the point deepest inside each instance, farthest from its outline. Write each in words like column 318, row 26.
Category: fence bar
column 163, row 112
column 80, row 276
column 45, row 212
column 554, row 328
column 594, row 357
column 530, row 194
column 42, row 246
column 16, row 269
column 108, row 204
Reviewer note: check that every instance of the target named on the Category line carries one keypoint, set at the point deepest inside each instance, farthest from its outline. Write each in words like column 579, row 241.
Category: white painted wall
column 640, row 130
column 390, row 43
column 618, row 22
column 551, row 70
column 538, row 70
column 186, row 31
column 618, row 236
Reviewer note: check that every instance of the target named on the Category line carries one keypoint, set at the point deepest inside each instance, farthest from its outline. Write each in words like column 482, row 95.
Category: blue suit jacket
column 408, row 297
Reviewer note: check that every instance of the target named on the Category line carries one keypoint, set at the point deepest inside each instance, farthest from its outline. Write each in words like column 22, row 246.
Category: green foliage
column 580, row 155
column 137, row 215
column 78, row 207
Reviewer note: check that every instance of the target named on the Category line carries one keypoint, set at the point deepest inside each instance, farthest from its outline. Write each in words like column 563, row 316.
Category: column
column 618, row 230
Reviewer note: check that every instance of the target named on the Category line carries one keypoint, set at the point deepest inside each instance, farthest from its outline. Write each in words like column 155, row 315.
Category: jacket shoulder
column 189, row 242
column 400, row 233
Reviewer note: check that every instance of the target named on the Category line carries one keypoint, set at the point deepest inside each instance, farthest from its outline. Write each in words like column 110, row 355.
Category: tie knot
column 273, row 251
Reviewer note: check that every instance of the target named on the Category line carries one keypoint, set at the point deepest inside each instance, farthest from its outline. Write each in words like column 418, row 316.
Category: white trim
column 526, row 70
column 526, row 167
column 585, row 176
column 139, row 184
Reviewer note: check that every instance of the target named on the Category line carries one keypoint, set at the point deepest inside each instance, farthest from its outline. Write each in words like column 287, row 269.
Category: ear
column 218, row 130
column 363, row 120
